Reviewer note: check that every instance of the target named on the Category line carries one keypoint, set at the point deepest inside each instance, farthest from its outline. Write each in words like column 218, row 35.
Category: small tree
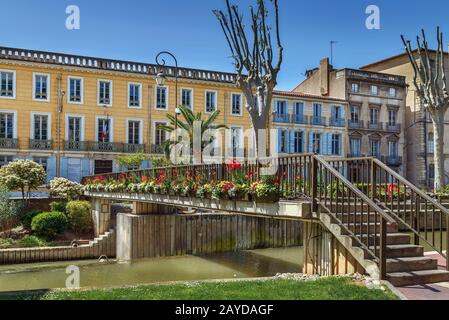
column 65, row 189
column 9, row 210
column 131, row 160
column 23, row 175
column 431, row 87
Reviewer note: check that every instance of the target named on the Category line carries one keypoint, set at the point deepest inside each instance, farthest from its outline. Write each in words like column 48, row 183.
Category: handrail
column 356, row 190
column 411, row 186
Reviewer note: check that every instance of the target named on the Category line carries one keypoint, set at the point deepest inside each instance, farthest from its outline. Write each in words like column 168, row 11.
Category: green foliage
column 49, row 224
column 79, row 215
column 58, row 206
column 9, row 210
column 65, row 189
column 160, row 162
column 7, row 243
column 131, row 160
column 28, row 216
column 31, row 242
column 23, row 175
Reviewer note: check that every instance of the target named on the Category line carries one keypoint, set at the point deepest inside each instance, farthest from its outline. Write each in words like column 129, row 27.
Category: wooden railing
column 412, row 208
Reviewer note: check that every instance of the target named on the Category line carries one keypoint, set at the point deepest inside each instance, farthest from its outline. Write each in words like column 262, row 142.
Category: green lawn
column 322, row 289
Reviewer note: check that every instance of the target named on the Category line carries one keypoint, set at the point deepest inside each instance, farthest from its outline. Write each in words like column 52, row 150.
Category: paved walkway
column 438, row 291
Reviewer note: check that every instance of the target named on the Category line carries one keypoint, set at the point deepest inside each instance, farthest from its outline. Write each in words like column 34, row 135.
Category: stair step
column 358, row 217
column 392, row 239
column 401, row 251
column 411, row 264
column 401, row 279
column 372, row 227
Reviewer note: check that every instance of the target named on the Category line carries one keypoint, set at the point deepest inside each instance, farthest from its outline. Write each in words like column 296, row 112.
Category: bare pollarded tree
column 430, row 82
column 253, row 54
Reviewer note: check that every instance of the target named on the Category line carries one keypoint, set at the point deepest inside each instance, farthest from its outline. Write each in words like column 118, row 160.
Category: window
column 134, row 132
column 160, row 134
column 374, row 90
column 356, row 147
column 237, row 141
column 392, row 92
column 298, row 109
column 134, row 92
column 7, row 84
column 40, row 127
column 355, row 114
column 355, row 88
column 105, row 92
column 103, row 166
column 336, row 143
column 393, row 149
column 316, row 143
column 41, row 84
column 211, row 101
column 283, row 141
column 431, row 171
column 392, row 117
column 430, row 143
column 236, row 104
column 375, row 148
column 4, row 160
column 161, row 98
column 281, row 107
column 317, row 110
column 42, row 161
column 6, row 125
column 104, row 130
column 74, row 129
column 374, row 116
column 75, row 90
column 298, row 142
column 186, row 98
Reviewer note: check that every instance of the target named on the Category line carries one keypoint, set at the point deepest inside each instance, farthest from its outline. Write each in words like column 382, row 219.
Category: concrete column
column 124, row 237
column 101, row 215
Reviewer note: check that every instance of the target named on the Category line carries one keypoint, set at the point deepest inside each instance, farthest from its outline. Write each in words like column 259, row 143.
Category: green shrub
column 32, row 242
column 79, row 215
column 27, row 217
column 7, row 243
column 58, row 206
column 49, row 224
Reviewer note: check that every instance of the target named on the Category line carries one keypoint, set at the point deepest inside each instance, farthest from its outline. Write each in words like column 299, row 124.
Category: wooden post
column 314, row 182
column 383, row 249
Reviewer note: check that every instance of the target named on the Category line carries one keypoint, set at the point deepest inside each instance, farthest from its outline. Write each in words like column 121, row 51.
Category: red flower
column 234, row 165
column 144, row 179
column 392, row 188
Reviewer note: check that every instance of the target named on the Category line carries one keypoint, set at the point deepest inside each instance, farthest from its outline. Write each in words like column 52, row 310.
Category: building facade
column 419, row 128
column 76, row 114
column 376, row 116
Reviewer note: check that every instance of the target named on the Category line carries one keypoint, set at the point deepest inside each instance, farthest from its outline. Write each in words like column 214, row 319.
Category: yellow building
column 75, row 114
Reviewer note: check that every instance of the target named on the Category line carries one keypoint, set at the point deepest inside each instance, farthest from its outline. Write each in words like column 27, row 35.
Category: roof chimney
column 324, row 76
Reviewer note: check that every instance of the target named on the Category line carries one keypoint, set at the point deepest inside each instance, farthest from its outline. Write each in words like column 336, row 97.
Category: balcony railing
column 134, row 148
column 106, row 147
column 300, row 119
column 157, row 149
column 393, row 128
column 375, row 126
column 281, row 118
column 356, row 155
column 318, row 121
column 75, row 146
column 337, row 122
column 41, row 144
column 394, row 160
column 355, row 124
column 6, row 143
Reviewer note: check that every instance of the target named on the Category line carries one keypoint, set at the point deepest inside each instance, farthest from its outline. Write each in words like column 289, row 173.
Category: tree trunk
column 438, row 128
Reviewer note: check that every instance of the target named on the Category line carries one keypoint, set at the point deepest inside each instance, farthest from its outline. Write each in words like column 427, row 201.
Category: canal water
column 244, row 264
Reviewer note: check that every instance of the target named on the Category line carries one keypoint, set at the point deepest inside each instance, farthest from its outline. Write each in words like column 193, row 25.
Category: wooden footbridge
column 356, row 212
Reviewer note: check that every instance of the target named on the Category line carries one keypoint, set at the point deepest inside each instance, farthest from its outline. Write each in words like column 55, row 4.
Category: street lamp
column 161, row 78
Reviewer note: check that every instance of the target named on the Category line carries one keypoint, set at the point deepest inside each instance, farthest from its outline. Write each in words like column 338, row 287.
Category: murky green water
column 245, row 264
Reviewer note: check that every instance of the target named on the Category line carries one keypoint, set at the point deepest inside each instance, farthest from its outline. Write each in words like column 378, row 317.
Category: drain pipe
column 149, row 121
column 58, row 130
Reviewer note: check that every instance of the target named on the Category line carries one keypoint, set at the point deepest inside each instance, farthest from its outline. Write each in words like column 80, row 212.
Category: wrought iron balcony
column 157, row 149
column 318, row 121
column 355, row 124
column 356, row 155
column 393, row 128
column 106, row 147
column 41, row 144
column 375, row 126
column 300, row 119
column 281, row 118
column 337, row 122
column 394, row 160
column 6, row 143
column 75, row 146
column 134, row 148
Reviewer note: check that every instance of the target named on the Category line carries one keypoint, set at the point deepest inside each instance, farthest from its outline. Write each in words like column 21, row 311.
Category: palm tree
column 188, row 123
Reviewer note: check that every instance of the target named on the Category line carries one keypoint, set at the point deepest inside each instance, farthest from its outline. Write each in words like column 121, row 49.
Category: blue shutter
column 329, row 143
column 145, row 165
column 29, row 158
column 85, row 167
column 16, row 158
column 115, row 166
column 301, row 109
column 291, row 144
column 303, row 135
column 64, row 170
column 278, row 145
column 340, row 145
column 51, row 168
column 343, row 112
column 323, row 144
column 310, row 142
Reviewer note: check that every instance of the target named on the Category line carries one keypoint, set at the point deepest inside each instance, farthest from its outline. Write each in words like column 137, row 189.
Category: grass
column 323, row 289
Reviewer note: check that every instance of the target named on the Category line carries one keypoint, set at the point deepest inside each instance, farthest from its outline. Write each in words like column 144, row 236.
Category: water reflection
column 255, row 263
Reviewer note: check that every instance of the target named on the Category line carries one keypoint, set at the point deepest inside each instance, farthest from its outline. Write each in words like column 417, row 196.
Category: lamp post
column 160, row 81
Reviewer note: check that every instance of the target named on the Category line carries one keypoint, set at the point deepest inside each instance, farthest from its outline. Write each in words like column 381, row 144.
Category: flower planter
column 271, row 198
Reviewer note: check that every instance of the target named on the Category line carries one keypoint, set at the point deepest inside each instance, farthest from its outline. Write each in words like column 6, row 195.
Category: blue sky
column 139, row 29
